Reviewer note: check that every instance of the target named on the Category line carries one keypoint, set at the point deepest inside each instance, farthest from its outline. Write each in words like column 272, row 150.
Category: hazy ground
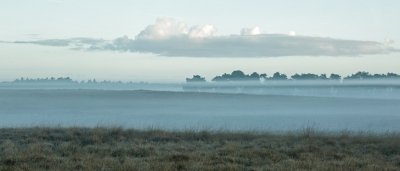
column 180, row 110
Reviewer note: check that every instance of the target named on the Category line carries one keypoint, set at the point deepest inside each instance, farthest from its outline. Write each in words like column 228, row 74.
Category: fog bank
column 182, row 110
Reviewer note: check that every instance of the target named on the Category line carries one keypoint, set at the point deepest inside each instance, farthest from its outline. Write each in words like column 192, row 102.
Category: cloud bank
column 167, row 38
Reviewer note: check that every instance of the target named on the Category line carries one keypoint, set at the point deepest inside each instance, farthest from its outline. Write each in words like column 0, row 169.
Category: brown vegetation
column 43, row 148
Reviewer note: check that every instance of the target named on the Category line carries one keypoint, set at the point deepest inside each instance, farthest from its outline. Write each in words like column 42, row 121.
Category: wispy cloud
column 49, row 42
column 167, row 38
column 65, row 42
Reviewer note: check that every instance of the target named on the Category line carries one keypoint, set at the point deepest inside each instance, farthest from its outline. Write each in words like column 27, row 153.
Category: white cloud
column 206, row 31
column 253, row 31
column 166, row 28
column 65, row 42
column 163, row 29
column 167, row 38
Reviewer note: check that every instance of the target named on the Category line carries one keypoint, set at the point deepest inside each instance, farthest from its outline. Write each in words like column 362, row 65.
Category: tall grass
column 116, row 148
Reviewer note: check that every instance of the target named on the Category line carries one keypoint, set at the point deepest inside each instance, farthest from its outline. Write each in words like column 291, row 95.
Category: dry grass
column 43, row 148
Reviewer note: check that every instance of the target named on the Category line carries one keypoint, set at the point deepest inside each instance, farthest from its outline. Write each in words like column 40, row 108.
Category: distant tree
column 379, row 76
column 366, row 75
column 335, row 77
column 196, row 79
column 323, row 77
column 238, row 76
column 278, row 76
column 226, row 76
column 219, row 79
column 254, row 77
column 66, row 79
column 359, row 75
column 392, row 75
column 308, row 76
column 263, row 76
column 295, row 76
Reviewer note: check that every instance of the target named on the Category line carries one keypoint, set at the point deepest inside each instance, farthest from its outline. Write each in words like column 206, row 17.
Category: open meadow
column 99, row 148
column 77, row 129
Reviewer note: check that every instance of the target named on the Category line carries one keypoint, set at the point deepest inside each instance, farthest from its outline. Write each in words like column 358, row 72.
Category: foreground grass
column 43, row 148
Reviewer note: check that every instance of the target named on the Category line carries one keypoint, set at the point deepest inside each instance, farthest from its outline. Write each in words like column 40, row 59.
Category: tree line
column 44, row 80
column 255, row 77
column 235, row 76
column 69, row 80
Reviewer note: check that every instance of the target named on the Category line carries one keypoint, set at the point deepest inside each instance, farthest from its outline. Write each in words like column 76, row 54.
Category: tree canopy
column 309, row 76
column 239, row 76
column 196, row 79
column 366, row 75
column 44, row 80
column 278, row 76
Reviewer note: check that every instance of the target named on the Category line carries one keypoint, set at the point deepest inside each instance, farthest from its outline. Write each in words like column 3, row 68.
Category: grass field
column 100, row 148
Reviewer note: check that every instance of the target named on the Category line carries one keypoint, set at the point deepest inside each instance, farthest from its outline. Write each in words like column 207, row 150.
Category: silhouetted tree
column 219, row 79
column 65, row 80
column 392, row 75
column 323, row 77
column 379, row 76
column 335, row 77
column 263, row 76
column 367, row 75
column 196, row 79
column 238, row 76
column 359, row 75
column 278, row 76
column 308, row 76
column 254, row 77
column 45, row 80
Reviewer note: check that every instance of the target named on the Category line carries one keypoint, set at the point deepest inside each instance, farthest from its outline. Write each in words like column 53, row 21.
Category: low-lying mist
column 377, row 89
column 193, row 110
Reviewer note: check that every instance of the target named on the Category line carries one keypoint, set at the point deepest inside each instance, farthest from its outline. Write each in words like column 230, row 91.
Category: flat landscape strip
column 116, row 148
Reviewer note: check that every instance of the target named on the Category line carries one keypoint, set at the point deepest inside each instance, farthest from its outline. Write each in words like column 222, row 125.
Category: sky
column 168, row 41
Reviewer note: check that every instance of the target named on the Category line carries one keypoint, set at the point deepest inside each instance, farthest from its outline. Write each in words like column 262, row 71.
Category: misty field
column 80, row 129
column 192, row 110
column 99, row 148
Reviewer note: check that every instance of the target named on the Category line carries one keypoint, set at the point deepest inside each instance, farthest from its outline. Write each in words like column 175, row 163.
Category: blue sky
column 314, row 22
